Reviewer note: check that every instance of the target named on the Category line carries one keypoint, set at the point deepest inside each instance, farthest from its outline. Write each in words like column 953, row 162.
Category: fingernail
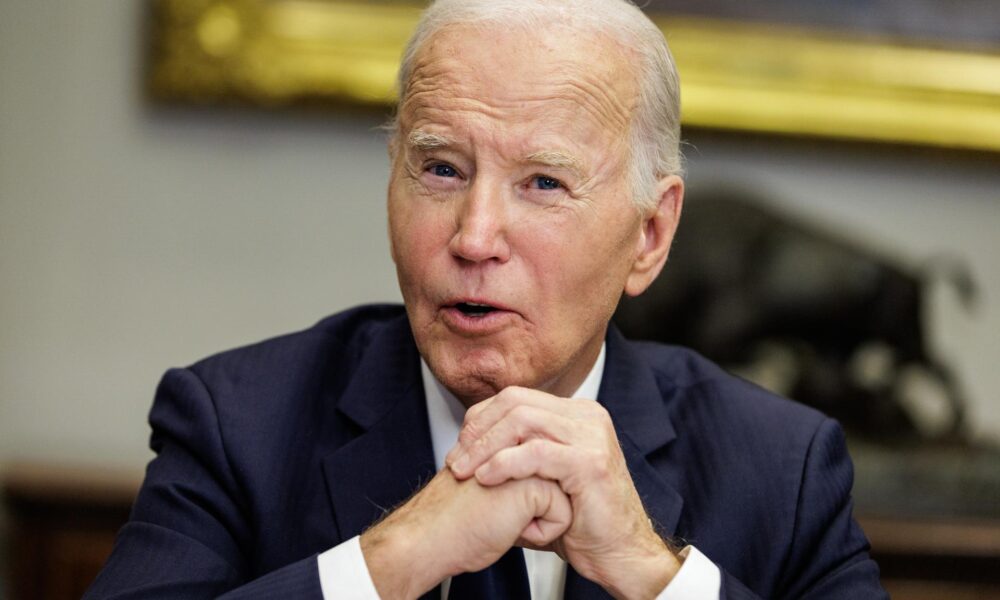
column 461, row 463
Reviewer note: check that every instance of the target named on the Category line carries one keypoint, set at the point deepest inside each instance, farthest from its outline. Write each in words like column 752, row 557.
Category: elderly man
column 535, row 179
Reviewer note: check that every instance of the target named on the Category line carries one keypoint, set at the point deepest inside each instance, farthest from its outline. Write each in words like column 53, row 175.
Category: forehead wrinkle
column 431, row 106
column 601, row 92
column 601, row 101
column 603, row 73
column 422, row 104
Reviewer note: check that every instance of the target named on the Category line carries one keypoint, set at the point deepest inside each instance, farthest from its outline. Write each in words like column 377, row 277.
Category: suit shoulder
column 694, row 385
column 339, row 339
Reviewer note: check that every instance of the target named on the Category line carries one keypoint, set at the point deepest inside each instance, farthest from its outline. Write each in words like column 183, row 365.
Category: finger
column 545, row 459
column 467, row 434
column 539, row 534
column 553, row 515
column 453, row 454
column 524, row 543
column 483, row 416
column 522, row 423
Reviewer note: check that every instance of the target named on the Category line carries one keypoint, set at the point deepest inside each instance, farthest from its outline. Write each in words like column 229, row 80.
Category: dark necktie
column 506, row 579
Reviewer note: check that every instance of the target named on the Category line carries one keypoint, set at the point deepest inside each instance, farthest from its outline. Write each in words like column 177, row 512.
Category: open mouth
column 472, row 309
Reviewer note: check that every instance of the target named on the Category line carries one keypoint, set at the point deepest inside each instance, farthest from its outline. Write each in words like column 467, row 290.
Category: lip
column 466, row 325
column 452, row 302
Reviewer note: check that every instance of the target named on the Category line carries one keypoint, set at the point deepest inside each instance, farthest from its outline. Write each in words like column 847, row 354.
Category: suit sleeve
column 189, row 532
column 828, row 557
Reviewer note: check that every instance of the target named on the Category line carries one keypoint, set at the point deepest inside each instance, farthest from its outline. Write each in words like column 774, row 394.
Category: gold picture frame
column 737, row 76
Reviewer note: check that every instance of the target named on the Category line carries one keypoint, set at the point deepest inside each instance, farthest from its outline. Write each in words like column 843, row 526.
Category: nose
column 481, row 225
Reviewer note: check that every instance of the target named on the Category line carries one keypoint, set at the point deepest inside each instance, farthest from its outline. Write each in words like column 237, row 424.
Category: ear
column 656, row 234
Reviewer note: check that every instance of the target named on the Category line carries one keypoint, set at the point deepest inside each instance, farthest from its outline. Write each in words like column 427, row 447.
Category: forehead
column 553, row 83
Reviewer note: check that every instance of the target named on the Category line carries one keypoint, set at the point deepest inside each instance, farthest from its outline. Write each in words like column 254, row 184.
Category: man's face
column 510, row 217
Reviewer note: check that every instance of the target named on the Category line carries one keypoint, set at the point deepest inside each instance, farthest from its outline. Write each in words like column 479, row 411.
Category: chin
column 475, row 374
column 478, row 368
column 472, row 376
column 470, row 391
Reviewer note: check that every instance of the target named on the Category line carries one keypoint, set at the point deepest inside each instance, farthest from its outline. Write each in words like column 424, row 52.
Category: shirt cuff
column 697, row 579
column 343, row 574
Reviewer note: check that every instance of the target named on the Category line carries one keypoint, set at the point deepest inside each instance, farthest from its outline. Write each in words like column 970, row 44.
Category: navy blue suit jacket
column 270, row 454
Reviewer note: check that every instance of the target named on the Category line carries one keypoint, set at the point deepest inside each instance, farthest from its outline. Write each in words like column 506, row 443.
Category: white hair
column 654, row 129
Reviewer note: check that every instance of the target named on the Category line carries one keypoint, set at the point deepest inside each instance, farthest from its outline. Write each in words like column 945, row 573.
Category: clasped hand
column 533, row 470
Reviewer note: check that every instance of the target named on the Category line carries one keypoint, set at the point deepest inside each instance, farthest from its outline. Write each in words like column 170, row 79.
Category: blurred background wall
column 135, row 237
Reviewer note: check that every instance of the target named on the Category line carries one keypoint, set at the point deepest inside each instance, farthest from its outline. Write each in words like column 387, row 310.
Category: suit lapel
column 393, row 457
column 630, row 393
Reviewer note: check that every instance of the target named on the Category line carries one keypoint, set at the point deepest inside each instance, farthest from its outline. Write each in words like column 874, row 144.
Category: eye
column 443, row 170
column 543, row 182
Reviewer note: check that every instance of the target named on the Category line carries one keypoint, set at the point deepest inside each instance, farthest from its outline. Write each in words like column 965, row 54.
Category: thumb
column 553, row 516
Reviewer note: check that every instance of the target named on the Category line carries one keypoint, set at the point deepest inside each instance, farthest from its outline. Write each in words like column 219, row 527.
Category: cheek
column 583, row 262
column 417, row 236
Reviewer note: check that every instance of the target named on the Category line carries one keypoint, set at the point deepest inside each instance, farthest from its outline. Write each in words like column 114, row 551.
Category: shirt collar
column 446, row 412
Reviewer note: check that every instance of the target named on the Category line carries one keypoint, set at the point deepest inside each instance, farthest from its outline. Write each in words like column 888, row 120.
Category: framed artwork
column 857, row 69
column 968, row 23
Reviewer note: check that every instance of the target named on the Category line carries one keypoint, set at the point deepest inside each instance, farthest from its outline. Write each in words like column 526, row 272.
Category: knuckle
column 469, row 432
column 515, row 391
column 481, row 445
column 506, row 397
column 598, row 464
column 474, row 411
column 523, row 418
column 517, row 396
column 520, row 412
column 537, row 487
column 498, row 462
column 601, row 414
column 537, row 449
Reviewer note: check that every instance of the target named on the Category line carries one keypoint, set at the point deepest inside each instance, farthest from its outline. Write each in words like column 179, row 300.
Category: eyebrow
column 421, row 140
column 557, row 159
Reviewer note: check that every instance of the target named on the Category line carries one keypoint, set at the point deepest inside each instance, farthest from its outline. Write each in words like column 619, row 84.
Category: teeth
column 474, row 304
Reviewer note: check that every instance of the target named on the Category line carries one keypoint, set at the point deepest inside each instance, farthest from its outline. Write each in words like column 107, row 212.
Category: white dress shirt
column 344, row 575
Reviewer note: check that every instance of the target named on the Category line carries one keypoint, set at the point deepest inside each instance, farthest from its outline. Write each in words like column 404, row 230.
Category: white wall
column 133, row 239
